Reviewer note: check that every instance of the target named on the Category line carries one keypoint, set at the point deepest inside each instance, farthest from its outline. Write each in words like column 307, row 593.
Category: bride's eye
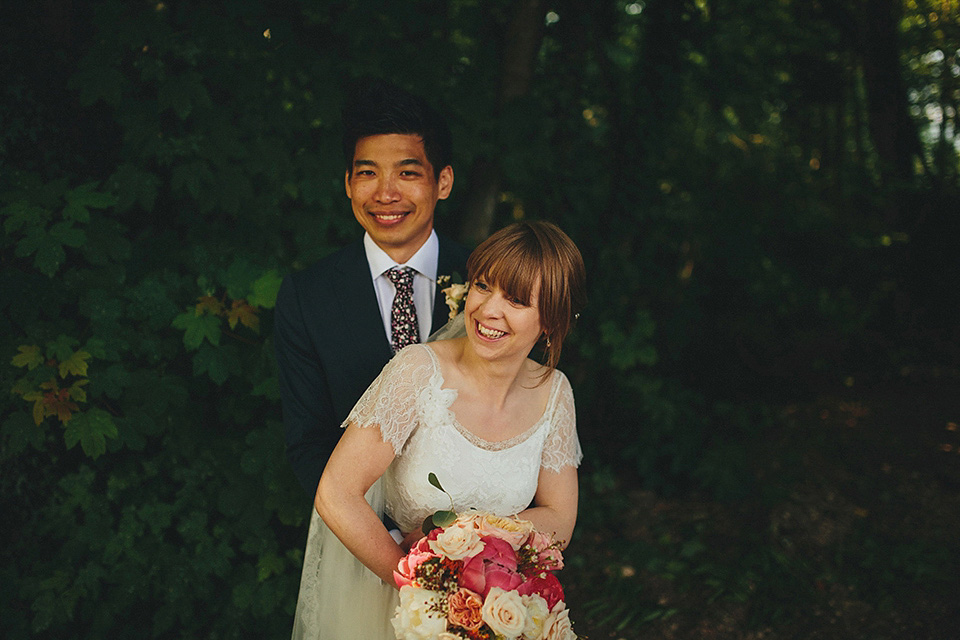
column 480, row 285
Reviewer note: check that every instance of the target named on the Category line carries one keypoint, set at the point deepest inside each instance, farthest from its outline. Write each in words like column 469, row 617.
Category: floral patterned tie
column 403, row 315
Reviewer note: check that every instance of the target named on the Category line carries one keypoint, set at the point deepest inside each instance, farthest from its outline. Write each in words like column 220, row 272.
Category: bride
column 496, row 427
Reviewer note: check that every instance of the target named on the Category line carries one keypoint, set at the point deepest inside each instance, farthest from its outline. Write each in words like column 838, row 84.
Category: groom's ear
column 346, row 183
column 445, row 182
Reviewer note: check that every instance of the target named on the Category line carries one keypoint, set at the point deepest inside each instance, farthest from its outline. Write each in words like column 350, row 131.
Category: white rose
column 505, row 612
column 458, row 541
column 557, row 626
column 537, row 613
column 419, row 616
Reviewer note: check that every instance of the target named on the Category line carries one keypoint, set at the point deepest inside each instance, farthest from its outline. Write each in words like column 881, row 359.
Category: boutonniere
column 454, row 293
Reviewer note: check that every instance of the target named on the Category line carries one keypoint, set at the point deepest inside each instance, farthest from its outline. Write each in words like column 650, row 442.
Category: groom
column 340, row 320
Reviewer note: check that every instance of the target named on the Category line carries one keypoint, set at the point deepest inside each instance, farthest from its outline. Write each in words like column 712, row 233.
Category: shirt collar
column 424, row 261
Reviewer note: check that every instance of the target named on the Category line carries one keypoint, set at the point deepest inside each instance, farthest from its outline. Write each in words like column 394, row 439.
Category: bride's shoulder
column 414, row 355
column 445, row 351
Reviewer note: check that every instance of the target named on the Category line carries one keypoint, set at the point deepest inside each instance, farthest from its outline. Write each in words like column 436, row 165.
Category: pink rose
column 494, row 566
column 407, row 567
column 464, row 609
column 544, row 584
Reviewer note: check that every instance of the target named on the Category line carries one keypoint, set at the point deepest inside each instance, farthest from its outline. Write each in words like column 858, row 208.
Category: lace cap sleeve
column 562, row 446
column 390, row 402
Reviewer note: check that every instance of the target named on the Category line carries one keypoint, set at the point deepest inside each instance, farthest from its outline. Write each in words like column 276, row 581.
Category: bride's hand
column 410, row 539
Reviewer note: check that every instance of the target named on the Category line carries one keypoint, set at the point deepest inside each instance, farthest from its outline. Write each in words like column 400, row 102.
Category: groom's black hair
column 376, row 107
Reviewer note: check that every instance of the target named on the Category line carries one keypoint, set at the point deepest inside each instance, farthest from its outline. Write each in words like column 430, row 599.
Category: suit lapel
column 447, row 265
column 358, row 302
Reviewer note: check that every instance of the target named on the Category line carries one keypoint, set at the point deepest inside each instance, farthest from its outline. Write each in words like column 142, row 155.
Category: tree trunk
column 523, row 37
column 893, row 133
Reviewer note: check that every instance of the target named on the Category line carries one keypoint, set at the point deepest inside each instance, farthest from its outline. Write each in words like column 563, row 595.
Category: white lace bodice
column 409, row 405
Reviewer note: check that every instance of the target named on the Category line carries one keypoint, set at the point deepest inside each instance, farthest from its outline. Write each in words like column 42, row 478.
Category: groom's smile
column 394, row 190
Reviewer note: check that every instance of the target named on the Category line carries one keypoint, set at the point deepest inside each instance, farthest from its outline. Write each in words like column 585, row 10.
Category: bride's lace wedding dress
column 340, row 599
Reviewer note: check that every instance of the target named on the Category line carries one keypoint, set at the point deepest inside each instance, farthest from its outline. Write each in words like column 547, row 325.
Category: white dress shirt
column 424, row 265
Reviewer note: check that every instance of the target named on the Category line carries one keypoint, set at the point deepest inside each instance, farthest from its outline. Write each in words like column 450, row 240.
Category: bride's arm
column 555, row 503
column 358, row 460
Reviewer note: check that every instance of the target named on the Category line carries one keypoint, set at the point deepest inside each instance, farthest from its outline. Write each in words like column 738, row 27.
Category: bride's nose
column 492, row 306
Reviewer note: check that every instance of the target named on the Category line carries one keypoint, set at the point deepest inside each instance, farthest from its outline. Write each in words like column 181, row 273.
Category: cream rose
column 505, row 612
column 511, row 530
column 454, row 295
column 537, row 612
column 557, row 626
column 446, row 635
column 458, row 541
column 418, row 616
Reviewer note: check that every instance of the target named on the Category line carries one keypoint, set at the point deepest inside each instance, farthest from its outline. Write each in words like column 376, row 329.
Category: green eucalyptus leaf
column 444, row 518
column 432, row 479
column 427, row 525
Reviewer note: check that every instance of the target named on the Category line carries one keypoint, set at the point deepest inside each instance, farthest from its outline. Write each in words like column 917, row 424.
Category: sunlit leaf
column 77, row 392
column 39, row 411
column 30, row 357
column 264, row 290
column 76, row 364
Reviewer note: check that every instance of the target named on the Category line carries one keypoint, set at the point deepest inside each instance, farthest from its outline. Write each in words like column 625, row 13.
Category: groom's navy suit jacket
column 330, row 345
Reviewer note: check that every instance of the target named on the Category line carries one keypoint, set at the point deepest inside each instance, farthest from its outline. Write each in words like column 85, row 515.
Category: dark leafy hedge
column 162, row 165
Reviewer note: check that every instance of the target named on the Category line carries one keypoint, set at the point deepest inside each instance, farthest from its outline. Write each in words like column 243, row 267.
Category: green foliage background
column 164, row 164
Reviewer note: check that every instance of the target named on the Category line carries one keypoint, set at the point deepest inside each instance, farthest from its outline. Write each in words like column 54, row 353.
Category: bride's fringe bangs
column 524, row 255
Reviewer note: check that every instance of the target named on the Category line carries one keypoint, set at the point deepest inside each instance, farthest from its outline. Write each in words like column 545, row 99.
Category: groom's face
column 393, row 192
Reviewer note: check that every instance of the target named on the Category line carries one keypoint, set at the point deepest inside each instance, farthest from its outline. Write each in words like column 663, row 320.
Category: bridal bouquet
column 482, row 577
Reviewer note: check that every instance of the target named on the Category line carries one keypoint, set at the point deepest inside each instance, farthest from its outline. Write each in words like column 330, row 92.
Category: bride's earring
column 548, row 342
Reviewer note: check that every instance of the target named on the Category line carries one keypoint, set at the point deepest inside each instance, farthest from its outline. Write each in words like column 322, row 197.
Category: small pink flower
column 539, row 541
column 550, row 559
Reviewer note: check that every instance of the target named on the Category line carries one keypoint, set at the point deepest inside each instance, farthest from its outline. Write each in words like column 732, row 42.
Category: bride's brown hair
column 519, row 256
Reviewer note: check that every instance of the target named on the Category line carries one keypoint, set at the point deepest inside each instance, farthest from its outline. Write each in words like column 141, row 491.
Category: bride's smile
column 500, row 319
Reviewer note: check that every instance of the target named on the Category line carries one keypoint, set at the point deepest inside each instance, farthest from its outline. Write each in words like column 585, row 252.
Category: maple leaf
column 77, row 392
column 209, row 304
column 264, row 290
column 29, row 357
column 39, row 410
column 58, row 403
column 245, row 314
column 91, row 429
column 196, row 328
column 75, row 364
